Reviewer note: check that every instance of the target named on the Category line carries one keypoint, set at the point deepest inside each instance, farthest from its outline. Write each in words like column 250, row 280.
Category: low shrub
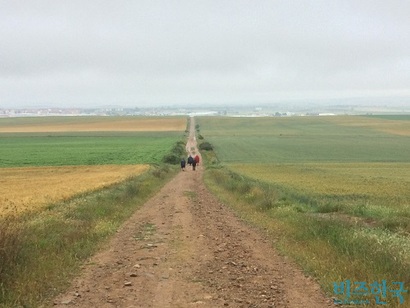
column 174, row 156
column 206, row 146
column 172, row 159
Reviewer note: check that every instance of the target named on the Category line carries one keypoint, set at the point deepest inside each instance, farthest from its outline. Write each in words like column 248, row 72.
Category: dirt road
column 183, row 248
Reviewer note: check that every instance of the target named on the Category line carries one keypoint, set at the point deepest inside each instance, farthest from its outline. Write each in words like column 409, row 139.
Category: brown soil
column 184, row 248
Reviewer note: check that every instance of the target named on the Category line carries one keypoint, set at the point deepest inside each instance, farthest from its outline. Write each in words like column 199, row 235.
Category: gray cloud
column 157, row 52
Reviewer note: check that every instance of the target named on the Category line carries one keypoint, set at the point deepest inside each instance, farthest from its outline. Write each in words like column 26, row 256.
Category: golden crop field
column 386, row 180
column 401, row 128
column 92, row 124
column 29, row 188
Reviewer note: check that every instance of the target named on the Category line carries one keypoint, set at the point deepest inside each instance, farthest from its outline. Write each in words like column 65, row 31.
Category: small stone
column 199, row 302
column 66, row 301
column 128, row 284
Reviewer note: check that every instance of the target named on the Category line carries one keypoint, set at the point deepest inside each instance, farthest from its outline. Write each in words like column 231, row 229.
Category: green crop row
column 91, row 148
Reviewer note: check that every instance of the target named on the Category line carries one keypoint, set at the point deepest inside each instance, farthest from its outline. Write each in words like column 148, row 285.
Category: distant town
column 267, row 110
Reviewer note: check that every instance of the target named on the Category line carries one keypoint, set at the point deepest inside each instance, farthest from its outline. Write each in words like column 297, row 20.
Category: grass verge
column 331, row 248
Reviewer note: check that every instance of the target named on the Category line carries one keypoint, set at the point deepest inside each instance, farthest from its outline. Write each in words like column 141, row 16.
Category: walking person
column 183, row 164
column 193, row 164
column 196, row 159
column 190, row 160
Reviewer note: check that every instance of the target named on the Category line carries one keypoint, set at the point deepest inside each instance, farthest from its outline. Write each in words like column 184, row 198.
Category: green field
column 308, row 139
column 331, row 192
column 84, row 148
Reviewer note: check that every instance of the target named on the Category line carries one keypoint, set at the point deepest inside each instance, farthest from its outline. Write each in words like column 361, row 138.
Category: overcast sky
column 136, row 53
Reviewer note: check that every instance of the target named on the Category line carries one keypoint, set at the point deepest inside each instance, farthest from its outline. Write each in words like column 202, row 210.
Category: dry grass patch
column 25, row 189
column 93, row 124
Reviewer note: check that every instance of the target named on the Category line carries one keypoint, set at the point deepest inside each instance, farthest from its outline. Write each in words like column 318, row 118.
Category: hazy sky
column 140, row 53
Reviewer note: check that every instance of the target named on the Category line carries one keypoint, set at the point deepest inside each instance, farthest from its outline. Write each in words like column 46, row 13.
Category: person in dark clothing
column 190, row 160
column 193, row 164
column 183, row 164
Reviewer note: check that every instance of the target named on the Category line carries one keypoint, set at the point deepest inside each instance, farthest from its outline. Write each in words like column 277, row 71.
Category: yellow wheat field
column 92, row 124
column 25, row 189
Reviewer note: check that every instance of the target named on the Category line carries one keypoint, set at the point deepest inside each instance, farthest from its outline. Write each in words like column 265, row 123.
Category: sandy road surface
column 183, row 248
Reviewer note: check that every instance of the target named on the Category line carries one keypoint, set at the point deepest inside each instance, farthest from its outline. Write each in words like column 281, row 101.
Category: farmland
column 91, row 124
column 37, row 149
column 333, row 192
column 50, row 159
column 31, row 188
column 384, row 183
column 330, row 193
column 86, row 141
column 66, row 184
column 308, row 139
